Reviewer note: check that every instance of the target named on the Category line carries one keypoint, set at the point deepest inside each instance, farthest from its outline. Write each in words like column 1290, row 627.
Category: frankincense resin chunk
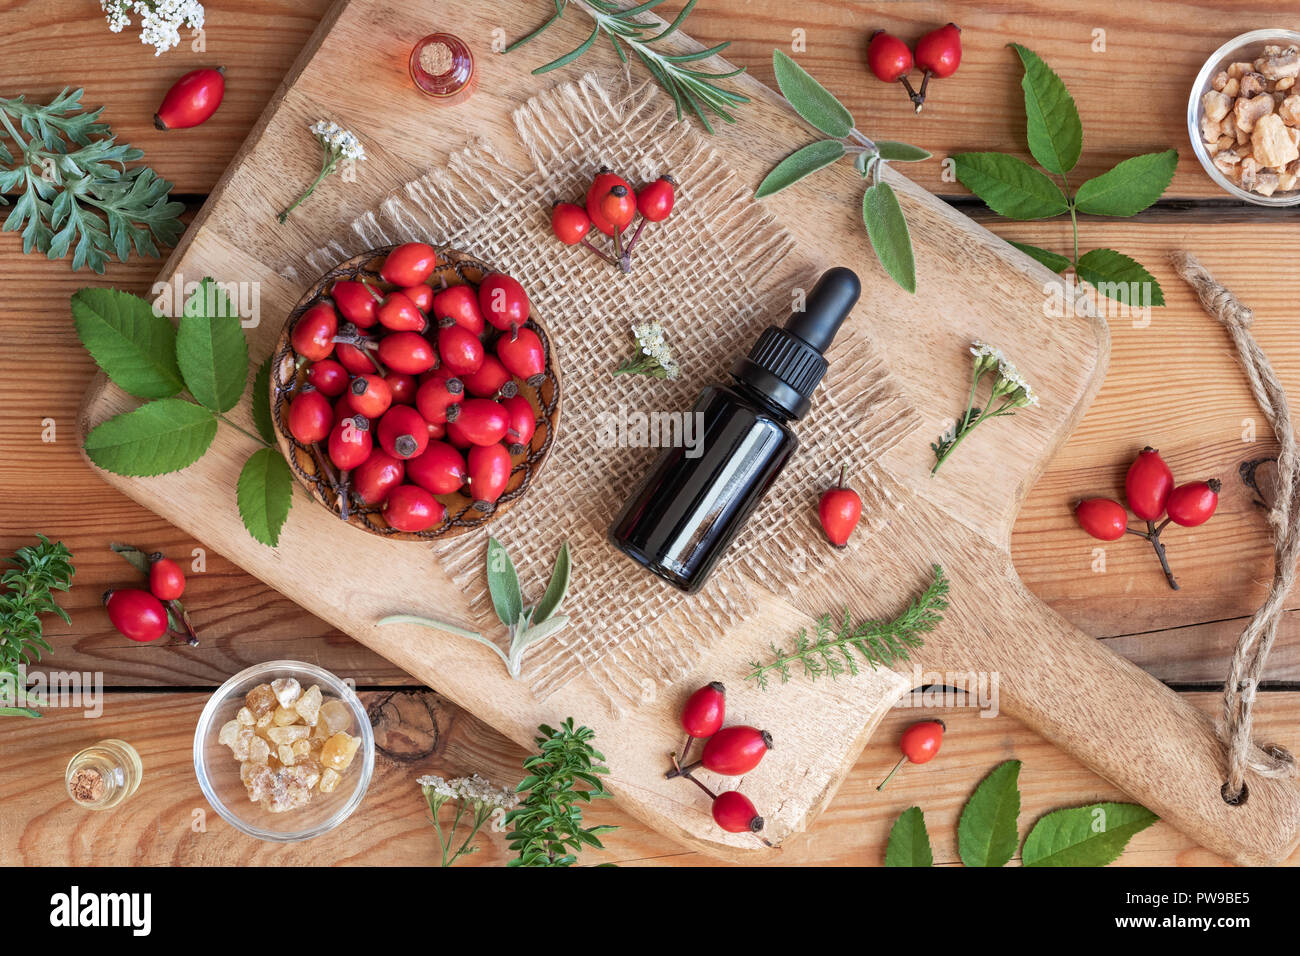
column 339, row 750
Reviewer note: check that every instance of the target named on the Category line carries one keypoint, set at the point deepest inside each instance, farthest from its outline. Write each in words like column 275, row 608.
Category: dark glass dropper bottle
column 695, row 500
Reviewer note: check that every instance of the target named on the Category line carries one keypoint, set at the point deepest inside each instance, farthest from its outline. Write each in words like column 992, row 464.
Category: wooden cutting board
column 971, row 285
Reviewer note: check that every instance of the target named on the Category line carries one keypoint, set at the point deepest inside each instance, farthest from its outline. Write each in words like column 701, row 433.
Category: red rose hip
column 166, row 579
column 489, row 473
column 524, row 355
column 440, row 470
column 503, row 301
column 735, row 813
column 310, row 416
column 403, row 433
column 1102, row 518
column 376, row 477
column 192, row 99
column 410, row 508
column 136, row 614
column 1194, row 503
column 733, row 751
column 409, row 264
column 1148, row 484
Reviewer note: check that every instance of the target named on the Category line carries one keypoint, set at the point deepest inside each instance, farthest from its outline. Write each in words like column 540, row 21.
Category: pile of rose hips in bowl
column 411, row 391
column 611, row 206
column 729, row 751
column 938, row 54
column 1149, row 488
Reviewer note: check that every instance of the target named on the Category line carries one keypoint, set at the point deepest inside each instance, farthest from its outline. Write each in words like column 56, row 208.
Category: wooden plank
column 979, row 108
column 420, row 732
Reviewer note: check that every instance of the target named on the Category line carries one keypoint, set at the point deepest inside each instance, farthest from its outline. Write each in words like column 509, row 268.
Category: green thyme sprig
column 38, row 570
column 564, row 776
column 830, row 651
column 74, row 185
column 690, row 88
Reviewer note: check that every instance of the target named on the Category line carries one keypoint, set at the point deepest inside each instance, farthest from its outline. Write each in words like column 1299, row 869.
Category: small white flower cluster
column 160, row 20
column 473, row 789
column 339, row 141
column 1009, row 380
column 651, row 343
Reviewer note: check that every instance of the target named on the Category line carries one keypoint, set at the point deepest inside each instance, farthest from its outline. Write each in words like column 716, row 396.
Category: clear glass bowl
column 1248, row 46
column 218, row 770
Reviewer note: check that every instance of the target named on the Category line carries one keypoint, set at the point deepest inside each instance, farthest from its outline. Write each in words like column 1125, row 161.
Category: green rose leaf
column 134, row 347
column 1053, row 260
column 1130, row 187
column 1118, row 277
column 133, row 556
column 557, row 588
column 156, row 438
column 811, row 100
column 799, row 164
column 211, row 349
column 503, row 584
column 1052, row 120
column 986, row 832
column 900, row 152
column 887, row 230
column 262, row 402
column 1010, row 186
column 264, row 493
column 1085, row 836
column 909, row 843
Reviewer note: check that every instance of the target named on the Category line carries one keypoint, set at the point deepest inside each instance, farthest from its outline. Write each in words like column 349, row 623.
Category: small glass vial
column 104, row 775
column 443, row 68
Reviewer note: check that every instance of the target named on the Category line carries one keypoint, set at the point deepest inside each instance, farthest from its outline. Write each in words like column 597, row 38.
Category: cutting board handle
column 1130, row 728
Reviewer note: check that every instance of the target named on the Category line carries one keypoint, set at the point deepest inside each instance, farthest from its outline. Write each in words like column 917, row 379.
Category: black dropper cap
column 786, row 365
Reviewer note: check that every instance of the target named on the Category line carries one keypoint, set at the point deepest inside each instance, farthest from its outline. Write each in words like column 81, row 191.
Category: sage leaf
column 537, row 632
column 801, row 163
column 262, row 402
column 909, row 842
column 1119, row 277
column 986, row 832
column 159, row 437
column 264, row 494
column 1085, row 836
column 435, row 625
column 900, row 152
column 810, row 99
column 556, row 589
column 1010, row 186
column 1130, row 187
column 889, row 235
column 1053, row 260
column 211, row 349
column 1052, row 120
column 133, row 556
column 503, row 584
column 135, row 347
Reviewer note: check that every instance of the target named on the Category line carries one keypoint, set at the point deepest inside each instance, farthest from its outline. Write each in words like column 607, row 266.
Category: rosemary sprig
column 74, row 185
column 547, row 826
column 37, row 570
column 830, row 652
column 691, row 89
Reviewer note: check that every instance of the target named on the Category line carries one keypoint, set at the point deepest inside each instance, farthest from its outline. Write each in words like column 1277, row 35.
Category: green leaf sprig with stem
column 1013, row 188
column 1092, row 835
column 691, row 89
column 74, row 185
column 881, row 213
column 525, row 625
column 562, row 778
column 830, row 652
column 36, row 572
column 191, row 375
column 470, row 795
column 1008, row 392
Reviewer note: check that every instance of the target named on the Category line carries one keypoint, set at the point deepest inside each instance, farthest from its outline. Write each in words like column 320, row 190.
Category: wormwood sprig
column 691, row 89
column 881, row 213
column 830, row 651
column 74, row 185
column 1013, row 188
column 547, row 826
column 37, row 571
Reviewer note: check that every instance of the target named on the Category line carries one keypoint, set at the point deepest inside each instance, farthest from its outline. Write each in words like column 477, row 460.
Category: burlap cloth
column 713, row 275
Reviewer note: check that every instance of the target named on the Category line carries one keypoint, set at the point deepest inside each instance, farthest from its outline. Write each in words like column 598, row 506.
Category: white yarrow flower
column 160, row 20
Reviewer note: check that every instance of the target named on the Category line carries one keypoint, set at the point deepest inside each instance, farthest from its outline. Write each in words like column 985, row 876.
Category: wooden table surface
column 1172, row 383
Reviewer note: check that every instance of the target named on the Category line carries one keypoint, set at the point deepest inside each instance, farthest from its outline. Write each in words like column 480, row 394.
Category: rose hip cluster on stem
column 145, row 616
column 1149, row 488
column 611, row 206
column 938, row 54
column 730, row 751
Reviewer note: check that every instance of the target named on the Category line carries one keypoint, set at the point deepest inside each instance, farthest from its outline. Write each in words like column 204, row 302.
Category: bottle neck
column 760, row 399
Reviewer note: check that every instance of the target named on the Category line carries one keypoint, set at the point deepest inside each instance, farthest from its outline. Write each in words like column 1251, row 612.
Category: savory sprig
column 690, row 88
column 74, row 185
column 547, row 826
column 37, row 571
column 830, row 651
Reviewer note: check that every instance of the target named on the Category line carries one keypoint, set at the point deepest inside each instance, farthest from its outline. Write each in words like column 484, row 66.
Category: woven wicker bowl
column 455, row 268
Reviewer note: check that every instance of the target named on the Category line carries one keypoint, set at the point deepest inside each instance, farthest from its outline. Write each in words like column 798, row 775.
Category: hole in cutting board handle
column 1239, row 799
